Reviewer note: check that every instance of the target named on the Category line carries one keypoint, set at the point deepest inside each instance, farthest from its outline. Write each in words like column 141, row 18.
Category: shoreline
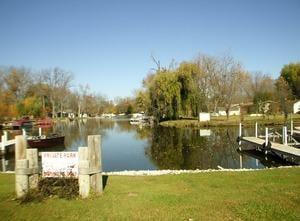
column 231, row 122
column 178, row 172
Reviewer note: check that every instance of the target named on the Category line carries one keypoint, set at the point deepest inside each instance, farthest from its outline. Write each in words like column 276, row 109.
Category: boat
column 139, row 120
column 46, row 122
column 23, row 122
column 46, row 141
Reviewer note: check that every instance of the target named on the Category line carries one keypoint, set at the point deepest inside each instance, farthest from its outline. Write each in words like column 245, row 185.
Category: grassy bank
column 261, row 195
column 232, row 121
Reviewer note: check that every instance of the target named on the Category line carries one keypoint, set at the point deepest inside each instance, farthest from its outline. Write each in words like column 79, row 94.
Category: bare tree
column 219, row 81
column 82, row 94
column 228, row 79
column 59, row 82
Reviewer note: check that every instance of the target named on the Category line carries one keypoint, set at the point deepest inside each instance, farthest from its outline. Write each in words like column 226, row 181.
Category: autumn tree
column 284, row 94
column 291, row 74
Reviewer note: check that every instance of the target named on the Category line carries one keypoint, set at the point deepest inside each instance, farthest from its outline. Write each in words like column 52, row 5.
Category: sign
column 59, row 164
column 203, row 117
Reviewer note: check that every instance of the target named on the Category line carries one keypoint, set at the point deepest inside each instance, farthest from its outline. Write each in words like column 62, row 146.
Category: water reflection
column 131, row 147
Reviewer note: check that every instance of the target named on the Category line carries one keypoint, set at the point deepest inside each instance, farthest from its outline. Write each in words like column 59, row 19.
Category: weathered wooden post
column 90, row 167
column 21, row 166
column 84, row 170
column 94, row 150
column 33, row 172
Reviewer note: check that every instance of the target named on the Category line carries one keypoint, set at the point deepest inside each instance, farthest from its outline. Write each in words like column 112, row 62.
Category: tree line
column 208, row 83
column 50, row 92
column 204, row 84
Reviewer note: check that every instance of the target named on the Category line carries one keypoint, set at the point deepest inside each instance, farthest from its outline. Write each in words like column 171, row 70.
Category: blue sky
column 108, row 44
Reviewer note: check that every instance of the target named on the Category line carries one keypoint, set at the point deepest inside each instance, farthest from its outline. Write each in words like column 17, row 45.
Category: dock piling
column 256, row 130
column 267, row 136
column 3, row 141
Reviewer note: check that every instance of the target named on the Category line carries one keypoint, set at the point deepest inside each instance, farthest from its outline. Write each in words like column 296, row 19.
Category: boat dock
column 286, row 150
column 277, row 147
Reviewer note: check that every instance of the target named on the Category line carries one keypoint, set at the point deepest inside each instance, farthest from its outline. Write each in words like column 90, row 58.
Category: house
column 235, row 109
column 296, row 107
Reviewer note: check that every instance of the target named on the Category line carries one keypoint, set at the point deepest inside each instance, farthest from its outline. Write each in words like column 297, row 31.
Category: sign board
column 204, row 117
column 59, row 164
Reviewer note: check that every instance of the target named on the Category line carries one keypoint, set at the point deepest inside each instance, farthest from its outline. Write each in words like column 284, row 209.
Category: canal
column 133, row 147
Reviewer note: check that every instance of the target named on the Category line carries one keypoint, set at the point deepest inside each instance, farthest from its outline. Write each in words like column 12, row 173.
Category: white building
column 296, row 107
column 235, row 109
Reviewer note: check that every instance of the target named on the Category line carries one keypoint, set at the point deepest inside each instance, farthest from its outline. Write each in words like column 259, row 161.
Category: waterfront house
column 235, row 109
column 296, row 107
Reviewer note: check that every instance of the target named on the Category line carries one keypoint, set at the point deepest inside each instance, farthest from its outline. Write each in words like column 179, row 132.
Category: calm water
column 128, row 147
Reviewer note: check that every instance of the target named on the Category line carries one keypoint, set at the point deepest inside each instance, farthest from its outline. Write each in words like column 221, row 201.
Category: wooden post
column 256, row 130
column 83, row 177
column 21, row 165
column 40, row 131
column 267, row 137
column 90, row 167
column 20, row 149
column 94, row 152
column 32, row 157
column 21, row 177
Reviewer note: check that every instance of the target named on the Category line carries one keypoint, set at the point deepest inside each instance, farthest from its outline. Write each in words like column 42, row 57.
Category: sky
column 108, row 44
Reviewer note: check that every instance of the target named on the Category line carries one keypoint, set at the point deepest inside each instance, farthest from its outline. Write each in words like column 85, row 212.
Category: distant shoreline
column 275, row 120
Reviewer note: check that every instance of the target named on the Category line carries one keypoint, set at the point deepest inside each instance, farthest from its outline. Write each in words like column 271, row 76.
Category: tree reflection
column 173, row 148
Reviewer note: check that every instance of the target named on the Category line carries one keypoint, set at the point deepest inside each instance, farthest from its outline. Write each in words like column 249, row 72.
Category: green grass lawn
column 260, row 195
column 232, row 121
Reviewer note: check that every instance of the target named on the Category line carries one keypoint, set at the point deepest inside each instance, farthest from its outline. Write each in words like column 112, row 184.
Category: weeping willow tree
column 165, row 96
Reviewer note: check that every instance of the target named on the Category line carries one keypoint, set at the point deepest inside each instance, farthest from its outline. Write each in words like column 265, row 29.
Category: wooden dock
column 277, row 147
column 284, row 150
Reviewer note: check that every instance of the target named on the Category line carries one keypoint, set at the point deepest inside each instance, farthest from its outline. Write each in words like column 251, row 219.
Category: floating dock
column 277, row 147
column 285, row 150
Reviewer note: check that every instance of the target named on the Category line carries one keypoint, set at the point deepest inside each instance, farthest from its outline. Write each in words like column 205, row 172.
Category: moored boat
column 23, row 122
column 53, row 140
column 46, row 122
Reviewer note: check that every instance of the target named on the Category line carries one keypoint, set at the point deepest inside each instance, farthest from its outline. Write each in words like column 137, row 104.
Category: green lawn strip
column 255, row 195
column 232, row 121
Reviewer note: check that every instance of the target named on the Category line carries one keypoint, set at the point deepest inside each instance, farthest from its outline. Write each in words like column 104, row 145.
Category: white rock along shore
column 175, row 172
column 165, row 172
